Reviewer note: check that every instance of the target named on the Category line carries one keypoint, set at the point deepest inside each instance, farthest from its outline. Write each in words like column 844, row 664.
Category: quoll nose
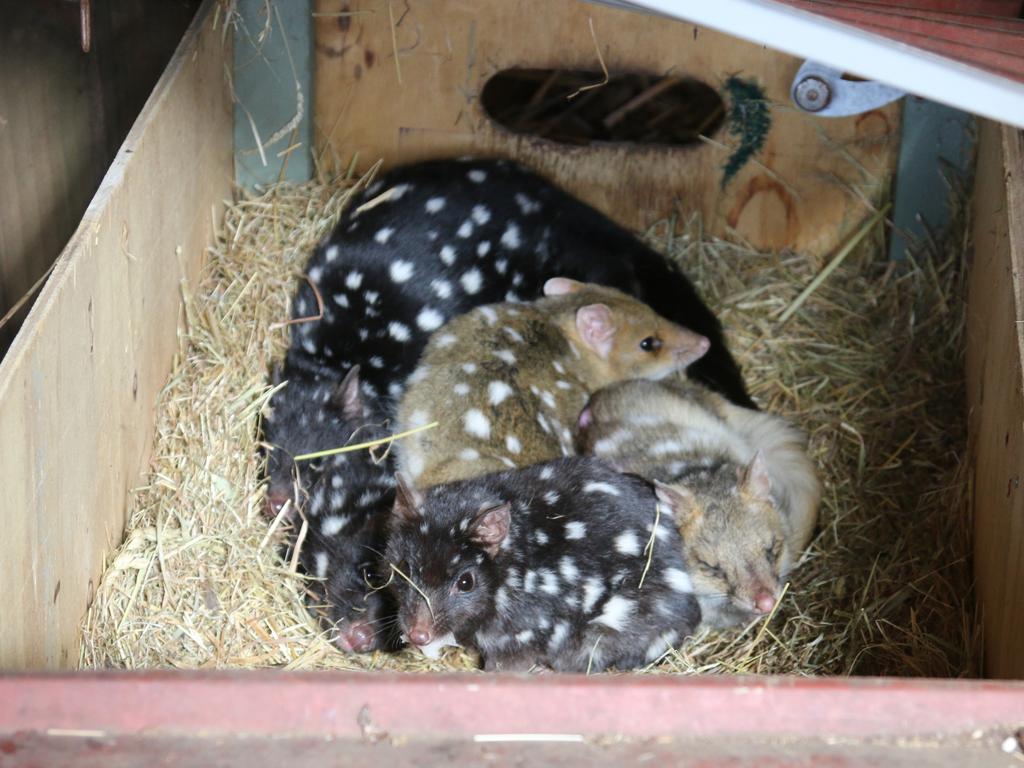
column 420, row 636
column 360, row 638
column 586, row 417
column 764, row 602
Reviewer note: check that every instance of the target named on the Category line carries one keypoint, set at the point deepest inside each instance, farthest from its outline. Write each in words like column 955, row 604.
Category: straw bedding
column 870, row 365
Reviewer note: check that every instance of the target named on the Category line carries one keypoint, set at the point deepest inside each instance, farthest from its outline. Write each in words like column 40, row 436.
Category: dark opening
column 632, row 107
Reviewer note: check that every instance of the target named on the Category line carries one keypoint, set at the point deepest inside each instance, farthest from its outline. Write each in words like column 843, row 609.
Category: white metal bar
column 853, row 50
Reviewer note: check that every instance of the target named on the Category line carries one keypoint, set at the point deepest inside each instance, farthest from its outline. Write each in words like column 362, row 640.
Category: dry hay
column 870, row 366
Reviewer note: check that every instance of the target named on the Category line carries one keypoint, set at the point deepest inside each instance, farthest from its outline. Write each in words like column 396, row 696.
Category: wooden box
column 77, row 394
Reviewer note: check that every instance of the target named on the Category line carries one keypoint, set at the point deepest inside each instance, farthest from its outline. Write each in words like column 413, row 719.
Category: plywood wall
column 815, row 180
column 79, row 384
column 995, row 379
column 63, row 115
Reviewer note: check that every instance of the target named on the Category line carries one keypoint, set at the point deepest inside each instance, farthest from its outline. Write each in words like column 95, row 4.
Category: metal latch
column 821, row 90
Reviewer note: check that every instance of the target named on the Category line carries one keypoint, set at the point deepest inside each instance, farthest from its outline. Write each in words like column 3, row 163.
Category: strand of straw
column 367, row 444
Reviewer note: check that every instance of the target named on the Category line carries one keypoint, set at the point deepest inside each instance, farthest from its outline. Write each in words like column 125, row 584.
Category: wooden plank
column 995, row 377
column 77, row 388
column 458, row 706
column 818, row 176
column 63, row 115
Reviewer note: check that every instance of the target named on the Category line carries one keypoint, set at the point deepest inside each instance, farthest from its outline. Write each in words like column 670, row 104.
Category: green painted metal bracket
column 273, row 78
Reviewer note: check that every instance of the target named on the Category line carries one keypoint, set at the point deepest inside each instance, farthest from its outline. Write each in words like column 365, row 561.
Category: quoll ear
column 408, row 501
column 680, row 501
column 595, row 324
column 347, row 398
column 754, row 478
column 490, row 527
column 559, row 286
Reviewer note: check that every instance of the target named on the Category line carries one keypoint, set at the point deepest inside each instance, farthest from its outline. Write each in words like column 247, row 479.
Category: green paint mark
column 749, row 121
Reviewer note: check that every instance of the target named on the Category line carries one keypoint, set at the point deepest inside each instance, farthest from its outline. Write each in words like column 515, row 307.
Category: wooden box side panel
column 995, row 323
column 811, row 183
column 78, row 386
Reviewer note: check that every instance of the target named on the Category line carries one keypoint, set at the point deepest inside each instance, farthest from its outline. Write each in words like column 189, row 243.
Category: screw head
column 812, row 94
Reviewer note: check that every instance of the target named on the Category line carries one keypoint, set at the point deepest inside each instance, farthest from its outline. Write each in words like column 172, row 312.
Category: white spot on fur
column 418, row 419
column 678, row 580
column 462, row 388
column 627, row 543
column 414, row 464
column 548, row 399
column 489, row 314
column 332, row 524
column 447, row 255
column 546, row 474
column 598, row 487
column 477, row 176
column 477, row 424
column 512, row 444
column 384, row 234
column 376, row 361
column 483, row 248
column 552, row 497
column 616, row 611
column 445, row 340
column 434, row 204
column 664, row 447
column 548, row 582
column 525, row 636
column 530, row 581
column 371, row 297
column 353, row 280
column 558, row 366
column 321, row 564
column 513, row 334
column 500, row 266
column 480, row 214
column 429, row 319
column 341, row 299
column 540, row 537
column 465, row 229
column 400, row 271
column 593, row 590
column 309, row 346
column 442, row 288
column 469, row 368
column 510, row 239
column 567, row 568
column 526, row 204
column 558, row 636
column 506, row 356
column 471, row 280
column 469, row 454
column 331, row 253
column 563, row 384
column 398, row 331
column 316, row 273
column 418, row 375
column 497, row 391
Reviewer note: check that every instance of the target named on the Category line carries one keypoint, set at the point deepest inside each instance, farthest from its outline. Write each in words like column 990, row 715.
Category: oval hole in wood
column 635, row 108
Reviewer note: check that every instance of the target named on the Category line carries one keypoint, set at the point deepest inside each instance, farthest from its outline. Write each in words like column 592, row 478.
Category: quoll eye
column 650, row 344
column 370, row 575
column 466, row 582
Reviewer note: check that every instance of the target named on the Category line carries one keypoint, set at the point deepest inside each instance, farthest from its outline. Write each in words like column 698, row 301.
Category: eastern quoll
column 430, row 241
column 344, row 499
column 506, row 382
column 545, row 566
column 742, row 487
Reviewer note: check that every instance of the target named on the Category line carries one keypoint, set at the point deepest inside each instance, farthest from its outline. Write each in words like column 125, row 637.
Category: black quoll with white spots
column 343, row 499
column 547, row 566
column 429, row 241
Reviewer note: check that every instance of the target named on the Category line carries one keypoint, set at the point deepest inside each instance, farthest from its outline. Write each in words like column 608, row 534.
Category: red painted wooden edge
column 328, row 704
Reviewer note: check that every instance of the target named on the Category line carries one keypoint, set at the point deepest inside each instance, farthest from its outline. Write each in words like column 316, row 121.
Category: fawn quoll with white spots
column 343, row 499
column 564, row 565
column 506, row 382
column 429, row 241
column 739, row 483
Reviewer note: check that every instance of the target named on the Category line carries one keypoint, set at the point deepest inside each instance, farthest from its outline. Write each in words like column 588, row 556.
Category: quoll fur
column 506, row 382
column 542, row 566
column 344, row 500
column 743, row 488
column 430, row 241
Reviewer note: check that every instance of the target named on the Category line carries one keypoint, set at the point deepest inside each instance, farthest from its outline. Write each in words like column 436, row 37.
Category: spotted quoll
column 563, row 565
column 742, row 487
column 427, row 242
column 344, row 500
column 506, row 382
